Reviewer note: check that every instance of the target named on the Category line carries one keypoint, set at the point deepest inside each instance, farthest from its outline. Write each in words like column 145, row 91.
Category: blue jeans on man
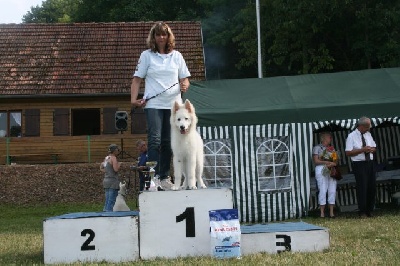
column 159, row 140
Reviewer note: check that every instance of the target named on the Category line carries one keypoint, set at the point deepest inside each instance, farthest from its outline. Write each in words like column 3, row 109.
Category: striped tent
column 268, row 163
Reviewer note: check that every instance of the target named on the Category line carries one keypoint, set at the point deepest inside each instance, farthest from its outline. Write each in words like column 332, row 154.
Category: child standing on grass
column 110, row 167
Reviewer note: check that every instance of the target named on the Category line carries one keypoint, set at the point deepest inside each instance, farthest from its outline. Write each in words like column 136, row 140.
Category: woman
column 110, row 166
column 325, row 157
column 166, row 76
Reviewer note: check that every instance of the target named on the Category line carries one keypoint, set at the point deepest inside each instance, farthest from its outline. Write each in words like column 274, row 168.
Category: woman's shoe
column 332, row 217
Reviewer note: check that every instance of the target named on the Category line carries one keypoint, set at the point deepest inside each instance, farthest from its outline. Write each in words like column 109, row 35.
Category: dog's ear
column 175, row 107
column 189, row 106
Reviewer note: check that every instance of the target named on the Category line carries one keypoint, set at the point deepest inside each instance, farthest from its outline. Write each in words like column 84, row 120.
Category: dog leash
column 152, row 97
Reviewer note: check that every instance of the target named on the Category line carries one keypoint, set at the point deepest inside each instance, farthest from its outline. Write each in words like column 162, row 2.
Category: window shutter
column 109, row 121
column 61, row 122
column 138, row 121
column 32, row 122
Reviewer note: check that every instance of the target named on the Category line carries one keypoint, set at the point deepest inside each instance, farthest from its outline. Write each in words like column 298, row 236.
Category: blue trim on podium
column 78, row 215
column 278, row 227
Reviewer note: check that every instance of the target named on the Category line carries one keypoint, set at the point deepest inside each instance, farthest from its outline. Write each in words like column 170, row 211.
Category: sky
column 12, row 11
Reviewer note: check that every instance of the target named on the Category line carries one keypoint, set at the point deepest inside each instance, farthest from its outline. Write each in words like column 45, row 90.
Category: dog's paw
column 203, row 186
column 193, row 187
column 175, row 187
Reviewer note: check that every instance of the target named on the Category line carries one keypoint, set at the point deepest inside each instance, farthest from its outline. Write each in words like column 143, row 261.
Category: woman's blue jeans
column 159, row 140
column 111, row 197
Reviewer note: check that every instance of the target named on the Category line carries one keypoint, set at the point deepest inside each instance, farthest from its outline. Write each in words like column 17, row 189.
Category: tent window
column 217, row 164
column 273, row 164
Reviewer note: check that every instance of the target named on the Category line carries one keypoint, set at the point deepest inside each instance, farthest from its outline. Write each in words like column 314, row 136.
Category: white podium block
column 280, row 237
column 91, row 237
column 176, row 223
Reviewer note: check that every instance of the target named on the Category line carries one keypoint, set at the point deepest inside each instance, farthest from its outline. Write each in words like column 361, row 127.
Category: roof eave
column 42, row 96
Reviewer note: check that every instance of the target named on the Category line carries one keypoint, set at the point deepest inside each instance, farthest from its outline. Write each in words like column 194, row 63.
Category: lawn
column 354, row 241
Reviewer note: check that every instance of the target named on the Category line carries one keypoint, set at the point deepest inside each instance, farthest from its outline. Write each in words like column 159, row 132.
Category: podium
column 176, row 223
column 280, row 237
column 171, row 224
column 91, row 237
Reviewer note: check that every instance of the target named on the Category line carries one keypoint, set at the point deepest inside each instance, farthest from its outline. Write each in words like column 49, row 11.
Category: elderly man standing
column 360, row 146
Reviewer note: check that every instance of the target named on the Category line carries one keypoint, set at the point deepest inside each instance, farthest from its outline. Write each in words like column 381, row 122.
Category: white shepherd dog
column 187, row 147
column 120, row 203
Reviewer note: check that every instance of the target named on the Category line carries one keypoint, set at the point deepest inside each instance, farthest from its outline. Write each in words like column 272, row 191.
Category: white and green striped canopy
column 245, row 115
column 260, row 206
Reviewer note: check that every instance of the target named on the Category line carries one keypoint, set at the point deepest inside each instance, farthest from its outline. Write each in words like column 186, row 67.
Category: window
column 217, row 164
column 273, row 164
column 10, row 123
column 85, row 122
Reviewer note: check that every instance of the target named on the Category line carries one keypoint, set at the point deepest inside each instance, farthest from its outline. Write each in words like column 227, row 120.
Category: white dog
column 120, row 204
column 187, row 147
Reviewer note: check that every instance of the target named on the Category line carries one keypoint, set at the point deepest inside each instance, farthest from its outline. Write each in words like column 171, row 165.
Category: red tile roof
column 84, row 58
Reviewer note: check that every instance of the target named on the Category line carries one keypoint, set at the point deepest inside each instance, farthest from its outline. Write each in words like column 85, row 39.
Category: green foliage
column 298, row 37
column 136, row 10
column 301, row 37
column 224, row 22
column 51, row 11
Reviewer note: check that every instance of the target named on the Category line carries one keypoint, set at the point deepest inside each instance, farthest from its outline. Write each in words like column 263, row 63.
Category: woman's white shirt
column 161, row 71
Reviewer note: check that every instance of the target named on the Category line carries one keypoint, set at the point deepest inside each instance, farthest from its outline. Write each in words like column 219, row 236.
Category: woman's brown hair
column 161, row 28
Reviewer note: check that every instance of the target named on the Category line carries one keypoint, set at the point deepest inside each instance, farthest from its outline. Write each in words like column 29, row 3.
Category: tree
column 373, row 37
column 221, row 26
column 308, row 36
column 297, row 36
column 51, row 11
column 137, row 10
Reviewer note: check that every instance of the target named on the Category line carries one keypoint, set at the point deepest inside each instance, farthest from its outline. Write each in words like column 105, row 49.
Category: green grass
column 354, row 241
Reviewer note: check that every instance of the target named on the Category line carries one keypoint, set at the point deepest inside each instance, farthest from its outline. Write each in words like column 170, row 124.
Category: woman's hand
column 139, row 103
column 184, row 84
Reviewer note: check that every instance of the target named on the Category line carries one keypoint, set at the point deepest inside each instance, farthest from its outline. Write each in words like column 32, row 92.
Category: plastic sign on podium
column 176, row 223
column 91, row 237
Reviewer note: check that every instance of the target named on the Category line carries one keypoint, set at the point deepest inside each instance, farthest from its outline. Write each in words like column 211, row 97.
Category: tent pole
column 260, row 75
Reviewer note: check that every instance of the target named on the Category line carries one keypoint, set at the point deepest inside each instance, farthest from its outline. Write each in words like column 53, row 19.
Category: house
column 64, row 87
column 259, row 133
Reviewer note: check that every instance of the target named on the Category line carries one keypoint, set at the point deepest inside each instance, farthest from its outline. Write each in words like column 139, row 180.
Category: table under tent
column 258, row 135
